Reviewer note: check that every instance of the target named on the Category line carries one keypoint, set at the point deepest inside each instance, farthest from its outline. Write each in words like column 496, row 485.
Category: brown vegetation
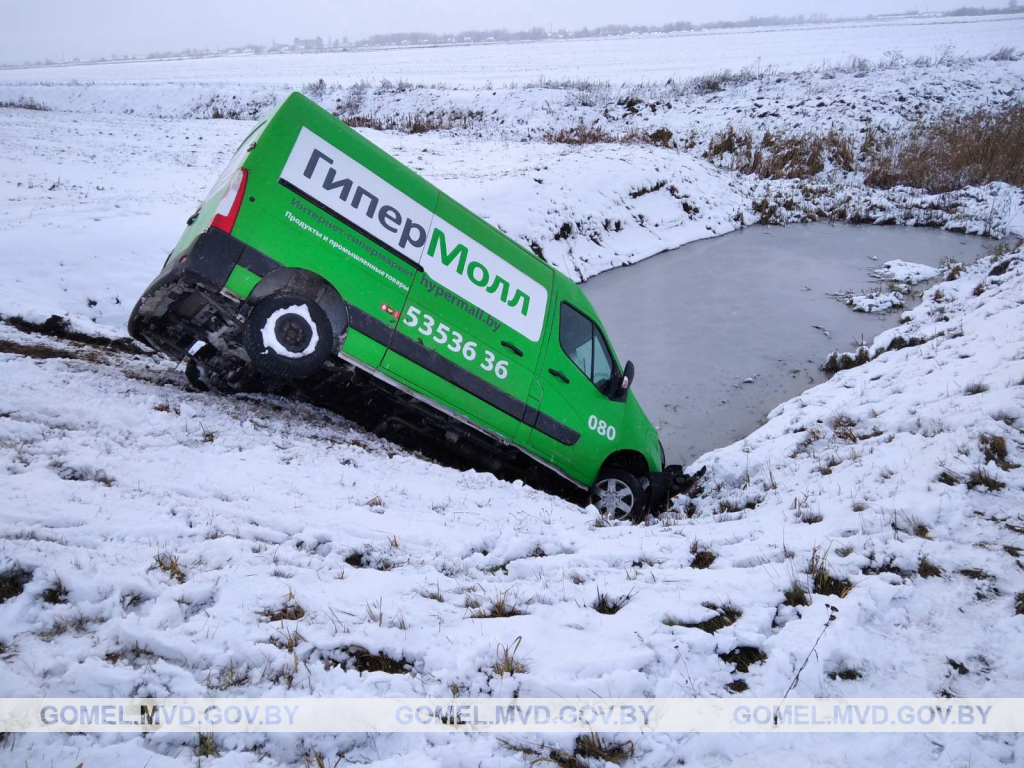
column 954, row 151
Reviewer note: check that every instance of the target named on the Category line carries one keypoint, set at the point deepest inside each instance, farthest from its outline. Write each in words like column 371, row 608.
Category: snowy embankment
column 161, row 542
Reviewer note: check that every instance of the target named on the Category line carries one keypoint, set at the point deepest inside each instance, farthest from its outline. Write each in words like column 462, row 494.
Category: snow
column 880, row 301
column 180, row 523
column 900, row 277
column 901, row 271
column 177, row 522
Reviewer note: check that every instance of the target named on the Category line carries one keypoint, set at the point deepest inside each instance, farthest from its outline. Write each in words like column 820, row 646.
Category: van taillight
column 227, row 210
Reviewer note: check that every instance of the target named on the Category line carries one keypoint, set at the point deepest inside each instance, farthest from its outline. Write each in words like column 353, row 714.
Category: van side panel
column 464, row 337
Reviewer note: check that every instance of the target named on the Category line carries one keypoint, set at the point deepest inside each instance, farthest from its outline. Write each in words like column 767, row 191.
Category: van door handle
column 559, row 374
column 513, row 347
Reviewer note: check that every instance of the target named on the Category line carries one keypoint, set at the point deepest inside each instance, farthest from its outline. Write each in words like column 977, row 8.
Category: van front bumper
column 671, row 482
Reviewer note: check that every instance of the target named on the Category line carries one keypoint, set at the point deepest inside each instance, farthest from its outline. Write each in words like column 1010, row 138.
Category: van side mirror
column 625, row 381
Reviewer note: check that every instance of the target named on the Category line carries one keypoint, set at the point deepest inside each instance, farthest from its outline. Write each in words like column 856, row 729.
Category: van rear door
column 471, row 331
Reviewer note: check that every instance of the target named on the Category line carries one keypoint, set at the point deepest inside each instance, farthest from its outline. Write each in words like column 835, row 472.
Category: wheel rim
column 293, row 333
column 289, row 332
column 614, row 498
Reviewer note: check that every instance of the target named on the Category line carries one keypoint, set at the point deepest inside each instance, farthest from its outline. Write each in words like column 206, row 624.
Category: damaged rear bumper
column 185, row 301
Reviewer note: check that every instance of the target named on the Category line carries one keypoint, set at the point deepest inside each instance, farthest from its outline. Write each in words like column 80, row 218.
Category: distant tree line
column 606, row 30
column 1012, row 7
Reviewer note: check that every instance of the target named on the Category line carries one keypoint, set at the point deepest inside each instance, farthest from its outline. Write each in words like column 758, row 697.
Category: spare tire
column 287, row 336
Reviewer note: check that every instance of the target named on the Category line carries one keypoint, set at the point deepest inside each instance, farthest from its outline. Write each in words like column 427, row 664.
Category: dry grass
column 647, row 189
column 170, row 565
column 501, row 605
column 975, row 574
column 206, row 746
column 980, row 478
column 610, row 605
column 846, row 673
column 593, row 746
column 588, row 750
column 24, row 103
column 287, row 639
column 975, row 388
column 703, row 555
column 842, row 427
column 12, row 582
column 782, row 155
column 74, row 622
column 362, row 660
column 898, row 342
column 942, row 155
column 289, row 611
column 842, row 361
column 418, row 122
column 744, row 657
column 954, row 151
column 507, row 663
column 993, row 447
column 580, row 134
column 434, row 594
column 725, row 616
column 1001, row 268
column 796, row 595
column 823, row 581
column 55, row 594
column 927, row 569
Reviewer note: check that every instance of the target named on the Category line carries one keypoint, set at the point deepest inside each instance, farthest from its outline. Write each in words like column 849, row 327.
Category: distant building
column 312, row 44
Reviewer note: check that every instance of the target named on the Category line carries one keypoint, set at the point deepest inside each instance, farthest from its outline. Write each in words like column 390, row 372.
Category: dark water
column 701, row 319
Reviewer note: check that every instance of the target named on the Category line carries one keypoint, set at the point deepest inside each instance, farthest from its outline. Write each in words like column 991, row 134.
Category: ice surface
column 700, row 320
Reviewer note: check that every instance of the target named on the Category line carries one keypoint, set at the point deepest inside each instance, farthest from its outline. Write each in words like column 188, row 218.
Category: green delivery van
column 319, row 259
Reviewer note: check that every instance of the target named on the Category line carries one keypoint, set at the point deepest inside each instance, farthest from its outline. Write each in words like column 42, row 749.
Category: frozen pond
column 700, row 320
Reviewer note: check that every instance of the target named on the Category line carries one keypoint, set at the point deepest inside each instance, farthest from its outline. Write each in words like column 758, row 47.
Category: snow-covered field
column 638, row 59
column 157, row 533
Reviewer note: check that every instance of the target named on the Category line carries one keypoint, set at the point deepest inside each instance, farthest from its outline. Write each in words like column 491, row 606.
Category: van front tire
column 619, row 495
column 288, row 336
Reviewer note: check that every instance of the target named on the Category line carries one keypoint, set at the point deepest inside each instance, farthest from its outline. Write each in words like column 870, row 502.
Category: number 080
column 601, row 427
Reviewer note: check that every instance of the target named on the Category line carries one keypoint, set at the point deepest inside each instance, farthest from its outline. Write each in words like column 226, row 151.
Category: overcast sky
column 40, row 29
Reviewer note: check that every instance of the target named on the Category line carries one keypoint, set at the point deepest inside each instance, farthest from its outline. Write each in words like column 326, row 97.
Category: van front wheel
column 619, row 495
column 288, row 336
